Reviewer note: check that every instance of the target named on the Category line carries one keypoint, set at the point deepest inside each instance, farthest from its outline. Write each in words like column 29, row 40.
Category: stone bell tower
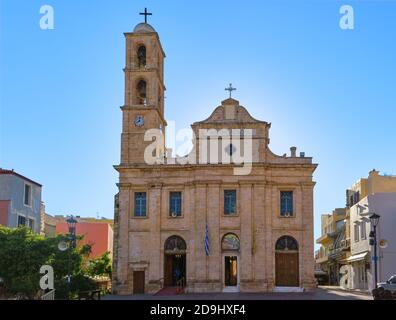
column 144, row 92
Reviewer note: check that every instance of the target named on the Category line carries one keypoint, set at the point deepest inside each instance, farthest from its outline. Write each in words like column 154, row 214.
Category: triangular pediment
column 230, row 111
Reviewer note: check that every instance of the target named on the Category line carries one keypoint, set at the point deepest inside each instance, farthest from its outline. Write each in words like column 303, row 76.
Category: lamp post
column 374, row 218
column 71, row 223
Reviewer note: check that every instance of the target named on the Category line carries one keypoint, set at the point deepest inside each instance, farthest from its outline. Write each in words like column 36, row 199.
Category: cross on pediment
column 230, row 89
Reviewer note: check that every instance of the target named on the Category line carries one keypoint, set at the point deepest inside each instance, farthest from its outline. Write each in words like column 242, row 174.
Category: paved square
column 322, row 293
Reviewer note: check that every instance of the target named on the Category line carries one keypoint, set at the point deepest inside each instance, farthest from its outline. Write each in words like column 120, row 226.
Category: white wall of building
column 384, row 204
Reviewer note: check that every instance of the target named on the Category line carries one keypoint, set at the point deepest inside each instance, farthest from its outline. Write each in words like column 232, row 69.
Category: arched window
column 175, row 244
column 230, row 242
column 141, row 89
column 286, row 243
column 141, row 54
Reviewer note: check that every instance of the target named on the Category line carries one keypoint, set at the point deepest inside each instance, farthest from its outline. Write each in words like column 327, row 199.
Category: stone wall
column 141, row 240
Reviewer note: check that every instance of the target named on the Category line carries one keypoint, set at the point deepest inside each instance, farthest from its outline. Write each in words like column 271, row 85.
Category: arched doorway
column 175, row 261
column 230, row 246
column 286, row 262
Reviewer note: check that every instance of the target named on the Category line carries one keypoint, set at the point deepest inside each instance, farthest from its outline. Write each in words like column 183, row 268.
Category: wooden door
column 138, row 282
column 168, row 270
column 286, row 269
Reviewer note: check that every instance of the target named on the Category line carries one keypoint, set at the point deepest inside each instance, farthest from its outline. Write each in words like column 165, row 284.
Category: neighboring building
column 377, row 194
column 200, row 223
column 20, row 200
column 335, row 245
column 48, row 223
column 96, row 232
column 49, row 226
column 345, row 253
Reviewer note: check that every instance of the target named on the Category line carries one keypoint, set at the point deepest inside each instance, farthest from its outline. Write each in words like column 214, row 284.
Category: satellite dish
column 383, row 243
column 63, row 246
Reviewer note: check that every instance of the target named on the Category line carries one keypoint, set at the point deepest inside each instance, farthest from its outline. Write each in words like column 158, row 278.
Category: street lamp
column 71, row 223
column 374, row 219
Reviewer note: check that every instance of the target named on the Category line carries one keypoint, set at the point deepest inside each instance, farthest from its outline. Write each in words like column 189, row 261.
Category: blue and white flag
column 207, row 240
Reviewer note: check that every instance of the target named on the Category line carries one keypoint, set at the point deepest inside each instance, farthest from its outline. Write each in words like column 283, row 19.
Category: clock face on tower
column 139, row 121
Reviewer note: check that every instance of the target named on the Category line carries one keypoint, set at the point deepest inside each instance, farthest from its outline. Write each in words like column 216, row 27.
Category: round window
column 230, row 149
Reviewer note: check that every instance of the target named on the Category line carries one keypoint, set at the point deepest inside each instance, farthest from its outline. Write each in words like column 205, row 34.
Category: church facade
column 200, row 224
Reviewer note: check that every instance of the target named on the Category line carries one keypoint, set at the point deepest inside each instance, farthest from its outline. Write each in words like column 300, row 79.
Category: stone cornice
column 206, row 183
column 250, row 182
column 264, row 165
column 176, row 230
column 128, row 69
column 291, row 184
column 144, row 108
column 146, row 34
column 308, row 184
column 124, row 185
column 289, row 230
column 140, row 230
column 139, row 263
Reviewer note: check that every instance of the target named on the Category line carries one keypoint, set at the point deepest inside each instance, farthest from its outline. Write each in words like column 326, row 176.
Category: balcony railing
column 335, row 252
column 324, row 238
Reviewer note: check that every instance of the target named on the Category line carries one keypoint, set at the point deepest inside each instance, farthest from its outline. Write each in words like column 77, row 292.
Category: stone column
column 121, row 244
column 307, row 262
column 260, row 253
column 245, row 211
column 201, row 259
column 155, row 238
column 189, row 213
column 213, row 214
column 270, row 200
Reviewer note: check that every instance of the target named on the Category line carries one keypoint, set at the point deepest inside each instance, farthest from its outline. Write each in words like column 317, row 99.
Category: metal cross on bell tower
column 230, row 89
column 145, row 14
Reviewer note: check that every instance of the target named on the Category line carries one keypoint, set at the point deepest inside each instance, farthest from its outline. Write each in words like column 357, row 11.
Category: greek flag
column 207, row 240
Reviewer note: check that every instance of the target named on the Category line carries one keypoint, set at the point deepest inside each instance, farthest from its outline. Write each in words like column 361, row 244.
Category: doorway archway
column 286, row 262
column 230, row 246
column 174, row 261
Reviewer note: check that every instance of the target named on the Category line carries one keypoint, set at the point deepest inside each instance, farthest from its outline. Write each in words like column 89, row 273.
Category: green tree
column 100, row 266
column 22, row 253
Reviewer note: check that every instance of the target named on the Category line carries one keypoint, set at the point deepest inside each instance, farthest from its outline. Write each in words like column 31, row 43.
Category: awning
column 357, row 257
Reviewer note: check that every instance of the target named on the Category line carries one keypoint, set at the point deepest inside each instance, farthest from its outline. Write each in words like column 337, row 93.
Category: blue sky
column 328, row 91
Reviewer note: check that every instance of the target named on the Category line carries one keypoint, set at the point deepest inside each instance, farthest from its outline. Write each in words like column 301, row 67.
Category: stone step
column 288, row 289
